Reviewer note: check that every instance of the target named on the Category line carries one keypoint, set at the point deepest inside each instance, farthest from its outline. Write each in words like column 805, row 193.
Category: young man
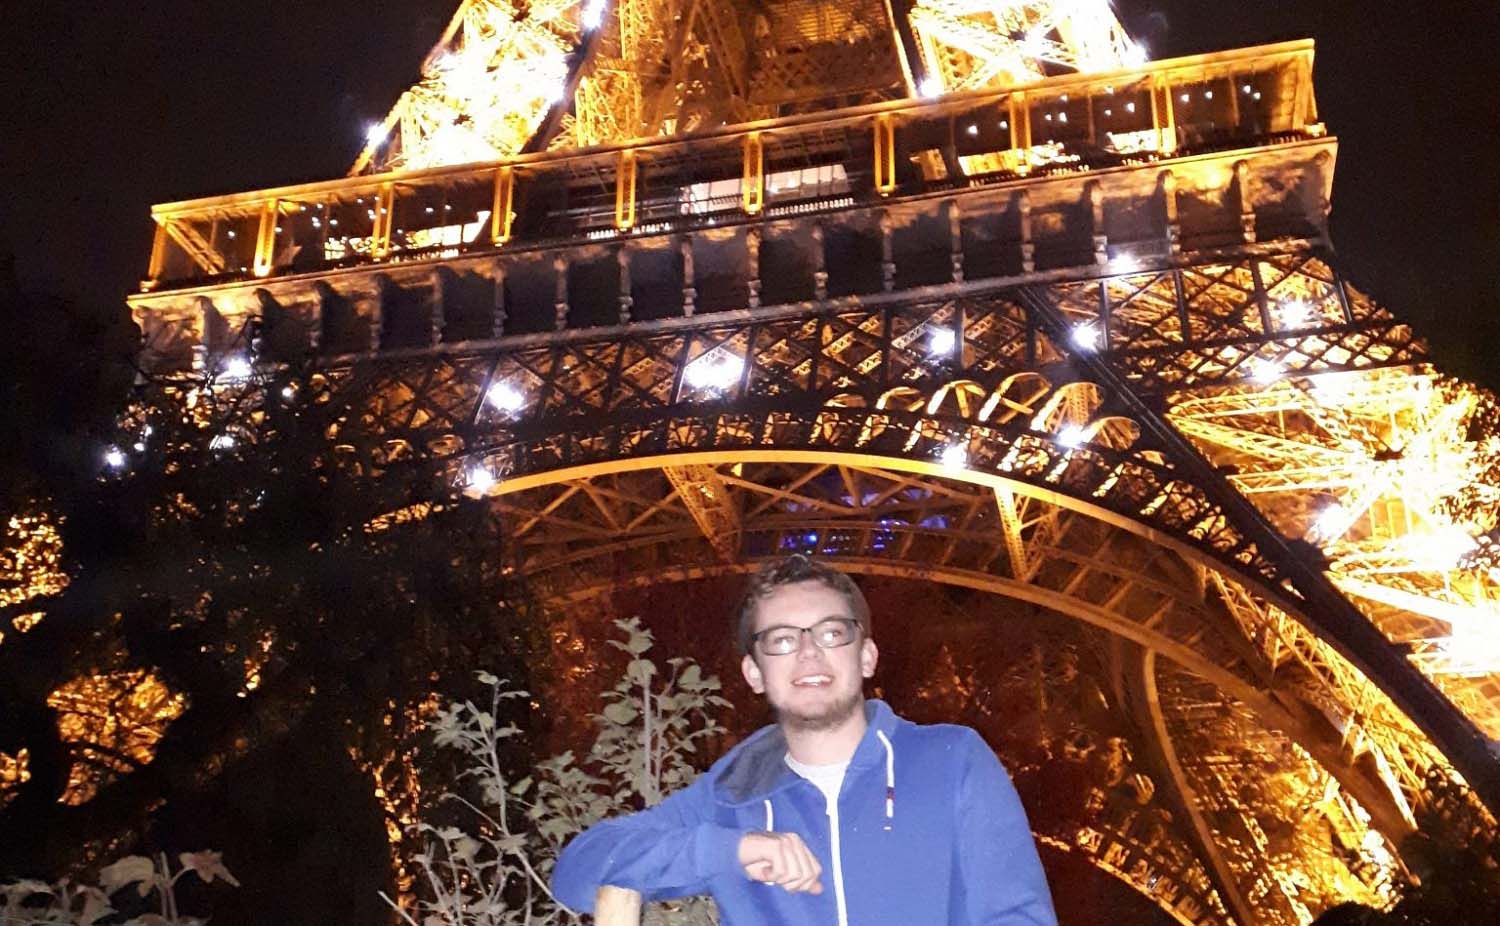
column 841, row 813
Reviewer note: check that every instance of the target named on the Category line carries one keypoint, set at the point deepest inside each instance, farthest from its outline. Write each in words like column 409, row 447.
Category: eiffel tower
column 945, row 291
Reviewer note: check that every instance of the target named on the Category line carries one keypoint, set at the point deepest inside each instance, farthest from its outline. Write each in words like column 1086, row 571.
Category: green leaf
column 620, row 713
column 132, row 869
column 208, row 866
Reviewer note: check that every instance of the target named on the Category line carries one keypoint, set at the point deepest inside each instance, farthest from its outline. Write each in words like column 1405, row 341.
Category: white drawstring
column 770, row 817
column 890, row 778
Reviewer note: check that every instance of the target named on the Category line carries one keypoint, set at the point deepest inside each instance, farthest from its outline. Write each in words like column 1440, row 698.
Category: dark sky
column 109, row 107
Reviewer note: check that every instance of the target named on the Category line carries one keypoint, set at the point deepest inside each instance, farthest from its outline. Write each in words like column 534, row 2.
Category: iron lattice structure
column 946, row 291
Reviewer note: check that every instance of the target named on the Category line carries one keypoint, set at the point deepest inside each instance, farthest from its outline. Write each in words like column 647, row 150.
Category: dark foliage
column 301, row 591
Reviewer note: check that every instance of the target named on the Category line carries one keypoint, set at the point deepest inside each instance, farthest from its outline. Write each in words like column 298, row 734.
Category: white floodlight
column 1071, row 436
column 1332, row 518
column 1085, row 337
column 931, row 86
column 221, row 442
column 479, row 479
column 1266, row 372
column 375, row 133
column 942, row 343
column 1294, row 313
column 114, row 458
column 714, row 372
column 505, row 398
column 593, row 14
column 236, row 369
column 954, row 456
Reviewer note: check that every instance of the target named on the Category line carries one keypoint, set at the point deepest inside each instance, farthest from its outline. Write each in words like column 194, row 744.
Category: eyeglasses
column 826, row 634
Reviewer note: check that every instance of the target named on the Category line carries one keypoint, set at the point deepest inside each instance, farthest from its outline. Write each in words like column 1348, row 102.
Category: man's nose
column 806, row 648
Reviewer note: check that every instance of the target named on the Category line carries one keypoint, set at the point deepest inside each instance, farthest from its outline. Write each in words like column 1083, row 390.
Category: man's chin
column 827, row 716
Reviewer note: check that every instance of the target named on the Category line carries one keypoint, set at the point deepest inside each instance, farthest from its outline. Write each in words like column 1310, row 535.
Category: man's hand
column 782, row 859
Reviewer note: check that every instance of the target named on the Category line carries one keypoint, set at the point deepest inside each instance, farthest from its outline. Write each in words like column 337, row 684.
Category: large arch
column 1153, row 599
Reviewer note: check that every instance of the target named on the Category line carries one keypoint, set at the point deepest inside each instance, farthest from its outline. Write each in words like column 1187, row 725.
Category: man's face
column 812, row 688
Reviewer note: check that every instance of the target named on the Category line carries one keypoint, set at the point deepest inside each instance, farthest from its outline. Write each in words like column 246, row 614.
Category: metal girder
column 1148, row 594
column 509, row 76
column 1334, row 617
column 704, row 495
column 1140, row 673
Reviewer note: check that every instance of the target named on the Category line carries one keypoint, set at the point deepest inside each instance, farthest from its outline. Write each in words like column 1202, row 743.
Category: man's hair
column 793, row 570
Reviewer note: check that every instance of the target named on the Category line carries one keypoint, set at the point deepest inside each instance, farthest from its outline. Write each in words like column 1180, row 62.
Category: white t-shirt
column 828, row 778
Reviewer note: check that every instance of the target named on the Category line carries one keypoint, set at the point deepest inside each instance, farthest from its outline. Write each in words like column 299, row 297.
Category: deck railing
column 776, row 168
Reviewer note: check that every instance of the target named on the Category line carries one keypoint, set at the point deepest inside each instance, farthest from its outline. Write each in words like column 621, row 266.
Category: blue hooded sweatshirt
column 927, row 831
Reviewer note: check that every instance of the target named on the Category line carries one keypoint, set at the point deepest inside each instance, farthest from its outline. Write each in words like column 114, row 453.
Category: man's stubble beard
column 829, row 718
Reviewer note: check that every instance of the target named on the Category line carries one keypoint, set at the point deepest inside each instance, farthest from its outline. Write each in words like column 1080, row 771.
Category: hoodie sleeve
column 670, row 850
column 1003, row 883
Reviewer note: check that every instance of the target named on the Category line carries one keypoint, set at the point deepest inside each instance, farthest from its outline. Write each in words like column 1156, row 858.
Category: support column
column 437, row 316
column 1168, row 185
column 885, row 154
column 383, row 290
column 627, row 301
column 753, row 180
column 625, row 191
column 887, row 253
column 159, row 239
column 323, row 295
column 1020, row 132
column 497, row 302
column 752, row 269
column 689, row 288
column 385, row 216
column 272, row 317
column 209, row 323
column 501, row 210
column 265, row 239
column 1140, row 671
column 1028, row 248
column 820, row 264
column 1095, row 192
column 560, row 293
column 955, row 241
column 1244, row 199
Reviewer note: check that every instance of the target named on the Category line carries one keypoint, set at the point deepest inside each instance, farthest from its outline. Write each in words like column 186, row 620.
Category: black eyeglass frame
column 857, row 628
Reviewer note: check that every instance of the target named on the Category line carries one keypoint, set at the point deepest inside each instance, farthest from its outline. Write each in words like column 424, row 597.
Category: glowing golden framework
column 1190, row 112
column 579, row 536
column 509, row 76
column 1075, row 341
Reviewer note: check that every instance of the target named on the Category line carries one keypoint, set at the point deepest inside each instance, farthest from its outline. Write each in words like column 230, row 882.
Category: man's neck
column 826, row 747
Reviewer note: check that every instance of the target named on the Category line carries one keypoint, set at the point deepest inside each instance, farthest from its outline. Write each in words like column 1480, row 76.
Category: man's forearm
column 657, row 861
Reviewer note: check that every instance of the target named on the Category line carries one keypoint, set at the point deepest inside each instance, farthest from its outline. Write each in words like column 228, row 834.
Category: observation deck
column 1067, row 177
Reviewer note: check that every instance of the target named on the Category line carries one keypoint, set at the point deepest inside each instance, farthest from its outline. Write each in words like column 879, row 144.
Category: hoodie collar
column 757, row 767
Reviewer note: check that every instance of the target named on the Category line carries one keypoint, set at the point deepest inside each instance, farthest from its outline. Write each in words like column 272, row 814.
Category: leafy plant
column 35, row 903
column 651, row 727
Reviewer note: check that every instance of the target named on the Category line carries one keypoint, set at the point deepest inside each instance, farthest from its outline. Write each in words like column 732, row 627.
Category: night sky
column 109, row 108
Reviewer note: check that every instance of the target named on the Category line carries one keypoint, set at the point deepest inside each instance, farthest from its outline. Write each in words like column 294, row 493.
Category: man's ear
column 868, row 656
column 752, row 674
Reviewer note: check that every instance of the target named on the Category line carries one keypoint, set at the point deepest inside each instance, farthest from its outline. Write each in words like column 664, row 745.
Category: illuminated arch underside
column 585, row 532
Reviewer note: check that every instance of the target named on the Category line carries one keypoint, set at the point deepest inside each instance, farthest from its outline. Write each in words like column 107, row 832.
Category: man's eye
column 781, row 639
column 833, row 634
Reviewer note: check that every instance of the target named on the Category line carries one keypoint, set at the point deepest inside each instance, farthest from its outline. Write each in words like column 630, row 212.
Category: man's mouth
column 812, row 681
